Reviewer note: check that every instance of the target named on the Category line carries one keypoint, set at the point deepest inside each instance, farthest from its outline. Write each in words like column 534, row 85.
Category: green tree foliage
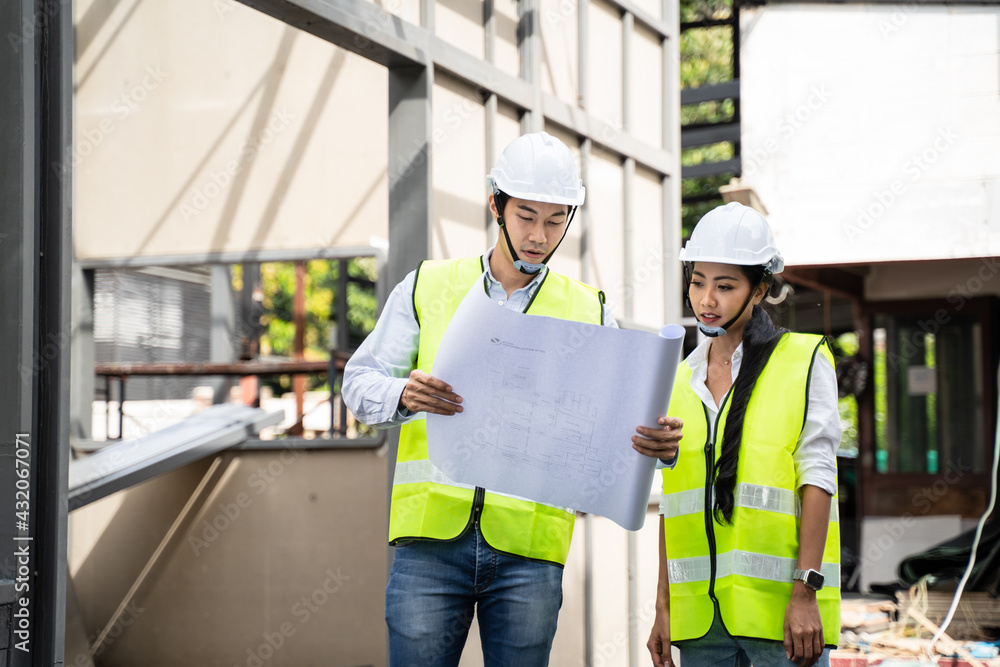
column 706, row 59
column 705, row 10
column 706, row 56
column 278, row 286
column 706, row 113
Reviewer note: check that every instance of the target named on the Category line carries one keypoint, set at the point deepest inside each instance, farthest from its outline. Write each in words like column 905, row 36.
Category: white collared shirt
column 815, row 454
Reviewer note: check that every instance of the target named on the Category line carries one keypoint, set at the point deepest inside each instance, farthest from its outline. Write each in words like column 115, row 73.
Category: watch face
column 814, row 579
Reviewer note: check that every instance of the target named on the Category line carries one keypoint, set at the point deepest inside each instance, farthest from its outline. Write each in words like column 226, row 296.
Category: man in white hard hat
column 463, row 551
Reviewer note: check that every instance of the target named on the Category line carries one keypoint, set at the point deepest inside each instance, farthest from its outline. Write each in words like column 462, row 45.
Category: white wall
column 871, row 132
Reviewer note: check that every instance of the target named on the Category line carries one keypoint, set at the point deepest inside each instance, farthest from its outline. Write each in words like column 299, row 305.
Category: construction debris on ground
column 898, row 633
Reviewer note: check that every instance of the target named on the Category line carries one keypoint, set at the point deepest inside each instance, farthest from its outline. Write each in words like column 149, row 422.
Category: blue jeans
column 720, row 649
column 436, row 587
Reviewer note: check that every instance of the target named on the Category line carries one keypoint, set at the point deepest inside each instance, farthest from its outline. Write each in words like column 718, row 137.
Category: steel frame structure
column 35, row 228
column 36, row 63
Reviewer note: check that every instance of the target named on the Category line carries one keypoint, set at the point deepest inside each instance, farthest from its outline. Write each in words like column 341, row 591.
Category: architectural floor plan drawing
column 543, row 420
column 550, row 407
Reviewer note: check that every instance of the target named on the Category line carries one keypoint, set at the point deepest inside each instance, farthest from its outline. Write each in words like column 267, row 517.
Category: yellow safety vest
column 428, row 505
column 745, row 568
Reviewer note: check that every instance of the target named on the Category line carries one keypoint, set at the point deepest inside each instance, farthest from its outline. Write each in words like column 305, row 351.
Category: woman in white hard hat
column 749, row 539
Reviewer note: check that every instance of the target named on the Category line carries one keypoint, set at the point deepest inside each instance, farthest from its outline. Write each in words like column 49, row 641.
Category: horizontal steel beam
column 710, row 168
column 290, row 366
column 234, row 257
column 371, row 32
column 486, row 77
column 897, row 3
column 711, row 134
column 125, row 464
column 719, row 91
column 256, row 444
column 606, row 135
column 827, row 279
column 661, row 28
column 699, row 199
column 357, row 26
column 707, row 23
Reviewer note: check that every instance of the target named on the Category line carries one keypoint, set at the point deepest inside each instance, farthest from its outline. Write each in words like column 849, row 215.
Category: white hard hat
column 538, row 167
column 733, row 234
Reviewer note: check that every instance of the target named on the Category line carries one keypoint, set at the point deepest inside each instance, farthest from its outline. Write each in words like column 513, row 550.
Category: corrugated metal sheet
column 142, row 317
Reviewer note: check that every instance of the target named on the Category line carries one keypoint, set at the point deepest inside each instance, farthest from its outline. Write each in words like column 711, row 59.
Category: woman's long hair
column 760, row 336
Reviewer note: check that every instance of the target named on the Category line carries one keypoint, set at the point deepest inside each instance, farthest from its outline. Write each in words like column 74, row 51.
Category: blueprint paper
column 550, row 407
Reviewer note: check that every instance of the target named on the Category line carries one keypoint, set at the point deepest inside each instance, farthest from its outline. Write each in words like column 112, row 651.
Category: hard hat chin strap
column 527, row 268
column 715, row 332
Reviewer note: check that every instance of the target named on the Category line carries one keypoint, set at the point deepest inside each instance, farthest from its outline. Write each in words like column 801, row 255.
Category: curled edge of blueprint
column 549, row 408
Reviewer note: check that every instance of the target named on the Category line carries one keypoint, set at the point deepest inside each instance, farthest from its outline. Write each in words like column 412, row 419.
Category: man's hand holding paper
column 554, row 419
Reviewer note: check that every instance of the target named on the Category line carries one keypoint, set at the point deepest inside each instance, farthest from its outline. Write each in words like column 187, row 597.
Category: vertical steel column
column 737, row 107
column 583, row 56
column 492, row 230
column 671, row 183
column 635, row 644
column 35, row 252
column 628, row 171
column 530, row 47
column 410, row 191
column 588, row 590
column 18, row 240
column 248, row 329
column 490, row 30
column 81, row 393
column 583, row 215
column 299, row 345
column 410, row 188
column 586, row 261
column 628, row 29
column 628, row 234
column 220, row 343
column 490, row 103
column 342, row 343
column 55, row 252
column 628, row 271
column 427, row 15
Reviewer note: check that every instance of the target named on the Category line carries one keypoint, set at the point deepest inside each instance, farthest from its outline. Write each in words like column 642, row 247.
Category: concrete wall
column 869, row 130
column 271, row 557
column 279, row 557
column 207, row 127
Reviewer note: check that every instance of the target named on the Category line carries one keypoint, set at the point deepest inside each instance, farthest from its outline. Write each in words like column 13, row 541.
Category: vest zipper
column 477, row 503
column 709, row 521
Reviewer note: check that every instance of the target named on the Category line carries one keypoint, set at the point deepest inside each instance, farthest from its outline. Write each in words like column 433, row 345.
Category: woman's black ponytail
column 760, row 337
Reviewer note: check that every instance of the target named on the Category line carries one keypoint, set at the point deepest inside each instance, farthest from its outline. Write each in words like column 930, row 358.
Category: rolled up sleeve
column 377, row 372
column 816, row 453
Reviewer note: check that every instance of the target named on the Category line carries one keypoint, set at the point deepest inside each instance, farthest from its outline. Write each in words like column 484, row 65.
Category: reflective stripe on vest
column 749, row 496
column 743, row 563
column 425, row 503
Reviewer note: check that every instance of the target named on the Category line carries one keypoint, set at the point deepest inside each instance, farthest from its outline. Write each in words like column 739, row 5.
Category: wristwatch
column 810, row 578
